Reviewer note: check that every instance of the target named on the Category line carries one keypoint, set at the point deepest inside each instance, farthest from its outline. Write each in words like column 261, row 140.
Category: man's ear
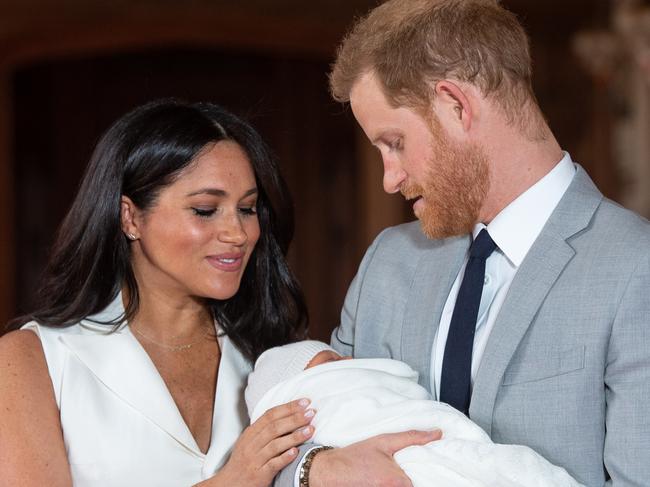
column 129, row 215
column 453, row 105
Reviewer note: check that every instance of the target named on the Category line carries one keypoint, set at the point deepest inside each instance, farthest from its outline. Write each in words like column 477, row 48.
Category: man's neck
column 516, row 164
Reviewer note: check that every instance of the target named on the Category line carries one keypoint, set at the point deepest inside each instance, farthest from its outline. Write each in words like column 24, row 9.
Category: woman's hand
column 266, row 447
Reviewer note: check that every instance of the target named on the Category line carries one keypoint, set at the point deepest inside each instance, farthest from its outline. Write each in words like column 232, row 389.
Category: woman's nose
column 232, row 231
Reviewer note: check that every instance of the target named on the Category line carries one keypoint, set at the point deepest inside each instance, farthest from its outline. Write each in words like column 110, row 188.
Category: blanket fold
column 357, row 399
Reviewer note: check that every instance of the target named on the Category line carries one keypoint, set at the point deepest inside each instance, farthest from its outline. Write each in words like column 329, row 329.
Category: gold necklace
column 173, row 348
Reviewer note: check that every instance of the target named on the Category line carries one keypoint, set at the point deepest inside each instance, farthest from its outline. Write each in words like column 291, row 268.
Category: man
column 522, row 297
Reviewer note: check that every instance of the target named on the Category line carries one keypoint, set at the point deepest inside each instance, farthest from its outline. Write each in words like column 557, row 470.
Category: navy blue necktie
column 455, row 380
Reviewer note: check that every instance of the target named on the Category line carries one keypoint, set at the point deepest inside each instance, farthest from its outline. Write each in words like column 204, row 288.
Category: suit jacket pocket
column 544, row 366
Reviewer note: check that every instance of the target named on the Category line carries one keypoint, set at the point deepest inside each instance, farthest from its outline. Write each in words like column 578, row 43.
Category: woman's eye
column 396, row 144
column 248, row 210
column 204, row 213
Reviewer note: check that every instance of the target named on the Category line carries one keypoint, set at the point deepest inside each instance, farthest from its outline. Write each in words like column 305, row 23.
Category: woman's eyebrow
column 219, row 192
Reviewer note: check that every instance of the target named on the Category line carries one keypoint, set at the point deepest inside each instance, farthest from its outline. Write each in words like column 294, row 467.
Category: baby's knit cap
column 278, row 364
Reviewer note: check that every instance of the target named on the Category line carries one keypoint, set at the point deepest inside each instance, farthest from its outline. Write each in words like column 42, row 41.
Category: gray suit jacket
column 566, row 370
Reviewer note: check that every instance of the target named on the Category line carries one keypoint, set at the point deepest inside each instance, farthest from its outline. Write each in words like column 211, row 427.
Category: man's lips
column 230, row 262
column 418, row 204
column 417, row 200
column 413, row 194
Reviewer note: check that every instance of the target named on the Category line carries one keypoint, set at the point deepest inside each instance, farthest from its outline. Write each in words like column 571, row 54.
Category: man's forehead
column 367, row 86
column 368, row 95
column 378, row 118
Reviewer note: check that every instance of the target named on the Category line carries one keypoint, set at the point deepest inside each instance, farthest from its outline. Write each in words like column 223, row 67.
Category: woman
column 167, row 280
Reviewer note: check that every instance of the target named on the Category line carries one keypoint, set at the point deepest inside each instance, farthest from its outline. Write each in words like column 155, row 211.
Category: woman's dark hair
column 138, row 156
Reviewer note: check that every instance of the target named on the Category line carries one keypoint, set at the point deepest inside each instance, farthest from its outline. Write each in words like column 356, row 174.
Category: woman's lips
column 226, row 262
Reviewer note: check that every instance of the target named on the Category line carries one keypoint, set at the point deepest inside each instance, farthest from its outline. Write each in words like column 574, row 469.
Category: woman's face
column 198, row 237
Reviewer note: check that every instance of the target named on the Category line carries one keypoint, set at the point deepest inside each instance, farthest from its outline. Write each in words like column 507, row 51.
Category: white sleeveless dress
column 121, row 426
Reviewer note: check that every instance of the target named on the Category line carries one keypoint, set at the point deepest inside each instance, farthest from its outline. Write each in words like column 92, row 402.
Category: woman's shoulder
column 23, row 358
column 21, row 344
column 23, row 362
column 37, row 353
column 46, row 331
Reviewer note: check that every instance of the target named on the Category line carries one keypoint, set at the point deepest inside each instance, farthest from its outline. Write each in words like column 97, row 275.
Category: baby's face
column 324, row 357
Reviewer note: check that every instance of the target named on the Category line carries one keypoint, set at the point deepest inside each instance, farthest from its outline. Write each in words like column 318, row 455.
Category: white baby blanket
column 357, row 399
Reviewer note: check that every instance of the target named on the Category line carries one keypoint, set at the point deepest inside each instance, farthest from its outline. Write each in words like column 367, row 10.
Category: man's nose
column 394, row 176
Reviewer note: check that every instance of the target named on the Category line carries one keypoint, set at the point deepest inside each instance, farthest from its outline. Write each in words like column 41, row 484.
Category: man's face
column 447, row 180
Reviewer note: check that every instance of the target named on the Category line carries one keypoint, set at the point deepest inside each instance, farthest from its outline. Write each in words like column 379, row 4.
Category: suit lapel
column 435, row 274
column 537, row 274
column 534, row 279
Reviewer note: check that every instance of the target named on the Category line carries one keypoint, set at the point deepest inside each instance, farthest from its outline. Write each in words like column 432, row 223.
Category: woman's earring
column 131, row 237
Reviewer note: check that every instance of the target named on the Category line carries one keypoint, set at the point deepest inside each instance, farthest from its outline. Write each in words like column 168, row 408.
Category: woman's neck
column 167, row 317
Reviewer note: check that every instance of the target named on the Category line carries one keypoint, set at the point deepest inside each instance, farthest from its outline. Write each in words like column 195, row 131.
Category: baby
column 357, row 399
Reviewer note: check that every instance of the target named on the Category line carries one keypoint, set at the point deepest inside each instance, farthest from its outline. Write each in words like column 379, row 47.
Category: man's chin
column 435, row 233
column 438, row 229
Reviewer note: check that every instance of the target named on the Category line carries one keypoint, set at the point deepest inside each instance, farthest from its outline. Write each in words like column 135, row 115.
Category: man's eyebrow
column 384, row 137
column 219, row 192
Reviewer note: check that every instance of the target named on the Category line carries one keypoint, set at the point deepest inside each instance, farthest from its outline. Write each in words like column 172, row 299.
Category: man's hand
column 367, row 463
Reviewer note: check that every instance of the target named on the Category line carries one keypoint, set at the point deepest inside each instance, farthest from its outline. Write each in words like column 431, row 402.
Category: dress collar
column 121, row 364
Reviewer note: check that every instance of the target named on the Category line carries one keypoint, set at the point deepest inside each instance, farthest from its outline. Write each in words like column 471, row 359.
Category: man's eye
column 204, row 213
column 395, row 144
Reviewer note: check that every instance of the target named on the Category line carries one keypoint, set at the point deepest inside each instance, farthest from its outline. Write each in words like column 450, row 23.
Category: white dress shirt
column 514, row 230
